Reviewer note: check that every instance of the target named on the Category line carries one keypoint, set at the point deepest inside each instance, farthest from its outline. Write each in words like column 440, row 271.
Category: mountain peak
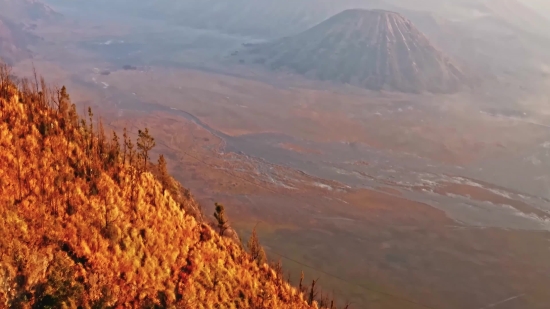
column 373, row 49
column 366, row 12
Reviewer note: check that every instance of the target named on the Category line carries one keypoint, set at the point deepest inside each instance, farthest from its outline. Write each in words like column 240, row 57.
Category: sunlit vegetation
column 86, row 220
column 256, row 251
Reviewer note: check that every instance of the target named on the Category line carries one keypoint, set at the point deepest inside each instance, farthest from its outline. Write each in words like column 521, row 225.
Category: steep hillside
column 373, row 49
column 84, row 223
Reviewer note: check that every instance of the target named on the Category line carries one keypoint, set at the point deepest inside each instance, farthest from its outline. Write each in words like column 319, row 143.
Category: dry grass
column 82, row 226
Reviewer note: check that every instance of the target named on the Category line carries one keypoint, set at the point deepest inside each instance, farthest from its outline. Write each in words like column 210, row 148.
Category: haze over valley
column 397, row 150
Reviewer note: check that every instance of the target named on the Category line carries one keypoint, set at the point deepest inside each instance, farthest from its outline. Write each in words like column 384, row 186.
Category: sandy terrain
column 368, row 191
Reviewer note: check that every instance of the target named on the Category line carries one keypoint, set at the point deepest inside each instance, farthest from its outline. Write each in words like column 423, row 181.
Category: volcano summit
column 373, row 49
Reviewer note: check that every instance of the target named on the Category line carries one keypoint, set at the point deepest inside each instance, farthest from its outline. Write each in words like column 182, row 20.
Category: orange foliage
column 82, row 226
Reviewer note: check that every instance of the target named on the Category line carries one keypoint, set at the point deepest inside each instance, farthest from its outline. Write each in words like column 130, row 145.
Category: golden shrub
column 80, row 229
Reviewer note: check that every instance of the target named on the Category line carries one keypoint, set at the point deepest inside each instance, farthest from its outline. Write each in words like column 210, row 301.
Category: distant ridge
column 373, row 49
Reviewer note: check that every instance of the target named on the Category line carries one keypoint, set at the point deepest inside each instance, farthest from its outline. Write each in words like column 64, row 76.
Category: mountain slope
column 373, row 49
column 84, row 224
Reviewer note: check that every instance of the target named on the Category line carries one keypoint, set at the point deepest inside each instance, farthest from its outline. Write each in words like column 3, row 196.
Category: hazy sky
column 542, row 6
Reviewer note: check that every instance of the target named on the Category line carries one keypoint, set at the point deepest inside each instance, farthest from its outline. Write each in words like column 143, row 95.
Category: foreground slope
column 84, row 224
column 374, row 49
